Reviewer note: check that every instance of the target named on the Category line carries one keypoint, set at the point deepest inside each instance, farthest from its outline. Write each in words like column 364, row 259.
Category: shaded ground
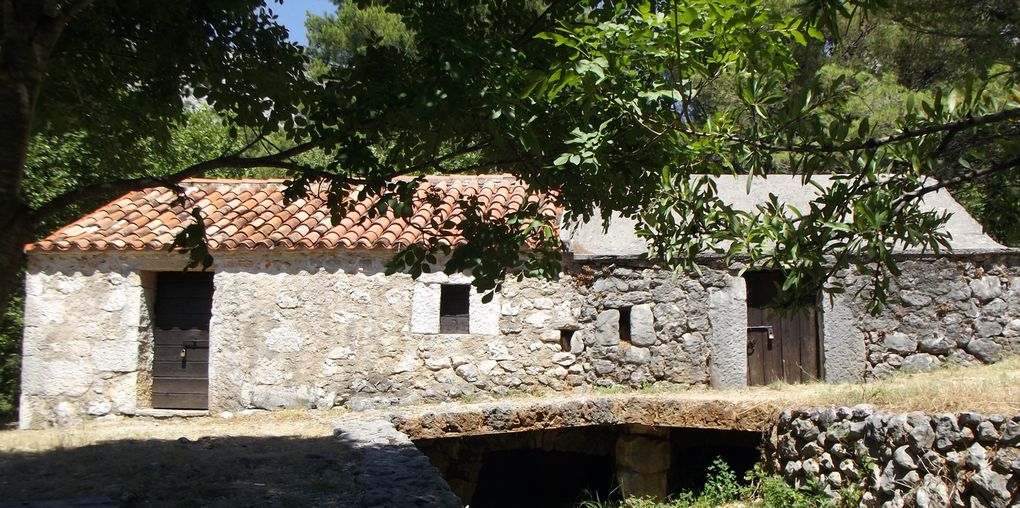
column 211, row 471
column 284, row 459
column 291, row 458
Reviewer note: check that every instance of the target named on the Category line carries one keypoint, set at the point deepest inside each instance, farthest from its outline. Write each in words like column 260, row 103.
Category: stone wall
column 901, row 459
column 298, row 329
column 87, row 341
column 320, row 329
column 962, row 309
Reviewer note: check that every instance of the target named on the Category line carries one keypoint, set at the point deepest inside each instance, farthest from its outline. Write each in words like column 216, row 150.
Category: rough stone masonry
column 318, row 329
column 901, row 459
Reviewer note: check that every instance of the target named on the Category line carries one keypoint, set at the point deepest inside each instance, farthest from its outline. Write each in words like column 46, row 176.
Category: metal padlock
column 184, row 353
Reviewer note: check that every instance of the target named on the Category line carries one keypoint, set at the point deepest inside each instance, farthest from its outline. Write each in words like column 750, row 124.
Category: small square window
column 565, row 337
column 625, row 324
column 454, row 308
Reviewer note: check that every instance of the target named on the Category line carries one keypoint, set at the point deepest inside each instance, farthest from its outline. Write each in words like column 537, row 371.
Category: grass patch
column 988, row 388
column 722, row 489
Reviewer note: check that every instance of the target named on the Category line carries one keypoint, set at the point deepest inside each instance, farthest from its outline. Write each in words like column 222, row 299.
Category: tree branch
column 277, row 160
column 963, row 177
column 870, row 144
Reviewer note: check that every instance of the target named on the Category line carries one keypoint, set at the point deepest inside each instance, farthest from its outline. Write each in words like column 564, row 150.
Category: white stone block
column 727, row 313
column 551, row 336
column 425, row 308
column 642, row 325
column 486, row 367
column 607, row 328
column 483, row 317
column 577, row 343
column 284, row 339
column 543, row 304
column 55, row 377
column 564, row 359
column 438, row 362
column 497, row 350
column 99, row 407
column 844, row 343
column 115, row 356
column 123, row 393
column 538, row 319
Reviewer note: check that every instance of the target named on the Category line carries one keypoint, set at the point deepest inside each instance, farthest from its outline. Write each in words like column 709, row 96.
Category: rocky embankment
column 901, row 459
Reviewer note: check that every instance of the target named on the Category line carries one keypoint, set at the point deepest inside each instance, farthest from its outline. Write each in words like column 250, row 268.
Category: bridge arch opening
column 565, row 466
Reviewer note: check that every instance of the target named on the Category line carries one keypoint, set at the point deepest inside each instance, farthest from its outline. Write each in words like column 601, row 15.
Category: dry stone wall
column 901, row 459
column 962, row 309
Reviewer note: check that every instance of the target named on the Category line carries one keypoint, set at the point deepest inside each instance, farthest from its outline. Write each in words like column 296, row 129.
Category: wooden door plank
column 173, row 354
column 180, row 400
column 181, row 337
column 809, row 346
column 774, row 348
column 174, row 368
column 179, row 385
column 791, row 348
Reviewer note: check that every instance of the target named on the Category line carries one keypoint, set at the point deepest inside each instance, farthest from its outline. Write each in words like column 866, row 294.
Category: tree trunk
column 15, row 234
column 30, row 30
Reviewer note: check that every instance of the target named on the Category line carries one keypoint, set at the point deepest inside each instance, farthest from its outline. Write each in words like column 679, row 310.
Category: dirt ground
column 290, row 458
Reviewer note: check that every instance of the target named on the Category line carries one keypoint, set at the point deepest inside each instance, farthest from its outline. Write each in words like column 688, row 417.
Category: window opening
column 625, row 324
column 454, row 308
column 565, row 337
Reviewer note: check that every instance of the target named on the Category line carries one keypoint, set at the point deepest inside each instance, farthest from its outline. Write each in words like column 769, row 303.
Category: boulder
column 900, row 343
column 986, row 350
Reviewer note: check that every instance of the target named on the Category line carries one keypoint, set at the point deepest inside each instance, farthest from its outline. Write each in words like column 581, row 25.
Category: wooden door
column 180, row 367
column 781, row 346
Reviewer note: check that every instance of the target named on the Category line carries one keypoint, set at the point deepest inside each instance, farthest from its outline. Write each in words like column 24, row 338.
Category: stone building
column 297, row 311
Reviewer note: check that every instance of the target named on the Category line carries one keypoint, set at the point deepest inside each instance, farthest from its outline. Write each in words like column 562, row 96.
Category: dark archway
column 695, row 449
column 541, row 478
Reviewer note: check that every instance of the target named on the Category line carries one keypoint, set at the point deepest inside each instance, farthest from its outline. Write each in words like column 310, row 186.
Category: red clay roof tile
column 253, row 214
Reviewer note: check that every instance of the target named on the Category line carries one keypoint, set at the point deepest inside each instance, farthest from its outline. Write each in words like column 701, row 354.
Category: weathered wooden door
column 781, row 346
column 180, row 367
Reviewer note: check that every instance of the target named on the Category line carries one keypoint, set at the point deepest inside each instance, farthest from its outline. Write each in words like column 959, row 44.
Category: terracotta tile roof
column 244, row 214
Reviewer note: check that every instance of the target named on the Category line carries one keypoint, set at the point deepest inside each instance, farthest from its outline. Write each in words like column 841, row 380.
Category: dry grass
column 258, row 424
column 989, row 389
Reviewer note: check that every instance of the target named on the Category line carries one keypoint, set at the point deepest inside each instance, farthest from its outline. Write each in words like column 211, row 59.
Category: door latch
column 763, row 328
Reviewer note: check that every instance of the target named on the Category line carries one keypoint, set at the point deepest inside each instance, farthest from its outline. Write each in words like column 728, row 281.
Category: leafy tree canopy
column 620, row 106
